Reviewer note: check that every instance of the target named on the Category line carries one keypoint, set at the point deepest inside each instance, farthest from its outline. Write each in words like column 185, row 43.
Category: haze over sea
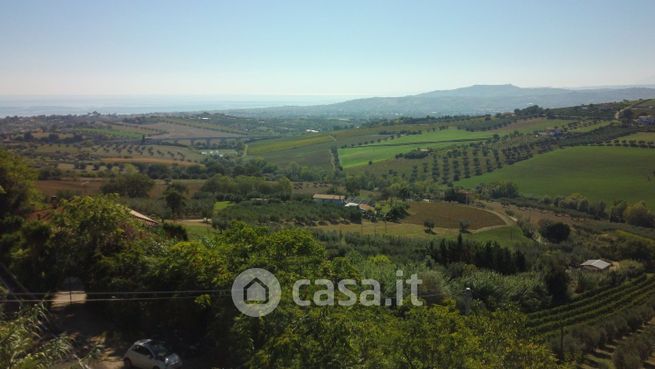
column 140, row 104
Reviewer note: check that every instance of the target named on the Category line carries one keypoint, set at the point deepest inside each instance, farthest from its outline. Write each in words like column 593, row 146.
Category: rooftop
column 596, row 263
column 320, row 196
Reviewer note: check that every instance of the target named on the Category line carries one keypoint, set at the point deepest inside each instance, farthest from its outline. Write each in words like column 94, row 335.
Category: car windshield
column 159, row 349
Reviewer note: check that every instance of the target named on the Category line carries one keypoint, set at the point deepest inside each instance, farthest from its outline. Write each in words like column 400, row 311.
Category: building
column 595, row 265
column 143, row 218
column 329, row 199
column 646, row 120
column 366, row 208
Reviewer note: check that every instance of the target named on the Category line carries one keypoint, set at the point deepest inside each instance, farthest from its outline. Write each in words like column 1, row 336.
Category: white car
column 151, row 354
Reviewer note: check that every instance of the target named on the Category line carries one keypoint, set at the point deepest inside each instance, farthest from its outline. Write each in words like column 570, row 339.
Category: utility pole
column 561, row 342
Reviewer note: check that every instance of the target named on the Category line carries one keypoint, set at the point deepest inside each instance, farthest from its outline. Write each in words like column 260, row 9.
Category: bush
column 554, row 232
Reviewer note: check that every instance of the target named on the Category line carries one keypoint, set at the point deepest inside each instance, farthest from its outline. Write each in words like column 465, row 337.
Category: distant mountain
column 477, row 99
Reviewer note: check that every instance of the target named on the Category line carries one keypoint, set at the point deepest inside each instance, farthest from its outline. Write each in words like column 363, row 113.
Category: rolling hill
column 477, row 99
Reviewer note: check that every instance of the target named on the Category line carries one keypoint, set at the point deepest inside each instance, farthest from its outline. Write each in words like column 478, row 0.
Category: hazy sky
column 319, row 47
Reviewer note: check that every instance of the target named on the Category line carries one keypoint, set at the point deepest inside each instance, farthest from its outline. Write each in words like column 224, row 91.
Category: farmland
column 419, row 216
column 380, row 151
column 599, row 173
column 639, row 136
column 449, row 215
column 447, row 218
column 90, row 186
column 536, row 124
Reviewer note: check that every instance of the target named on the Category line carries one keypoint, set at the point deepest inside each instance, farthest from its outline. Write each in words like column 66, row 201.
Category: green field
column 508, row 236
column 268, row 146
column 599, row 173
column 591, row 127
column 535, row 124
column 122, row 133
column 388, row 149
column 639, row 136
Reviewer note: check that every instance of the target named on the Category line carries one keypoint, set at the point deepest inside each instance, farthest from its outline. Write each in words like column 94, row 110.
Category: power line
column 107, row 299
column 120, row 292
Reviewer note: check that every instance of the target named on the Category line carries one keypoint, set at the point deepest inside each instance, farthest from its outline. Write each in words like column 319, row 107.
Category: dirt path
column 88, row 330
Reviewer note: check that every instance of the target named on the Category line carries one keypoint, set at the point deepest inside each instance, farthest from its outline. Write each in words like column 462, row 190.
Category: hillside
column 478, row 99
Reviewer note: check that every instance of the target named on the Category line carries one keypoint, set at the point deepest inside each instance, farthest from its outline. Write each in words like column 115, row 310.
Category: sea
column 34, row 105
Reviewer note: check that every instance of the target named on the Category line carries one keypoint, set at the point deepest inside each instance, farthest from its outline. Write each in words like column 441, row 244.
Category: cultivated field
column 599, row 173
column 449, row 215
column 639, row 136
column 385, row 150
column 535, row 124
column 90, row 186
column 484, row 225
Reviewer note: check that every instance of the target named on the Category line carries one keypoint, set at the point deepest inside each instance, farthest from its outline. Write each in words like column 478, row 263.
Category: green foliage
column 423, row 338
column 129, row 184
column 610, row 173
column 244, row 187
column 632, row 351
column 174, row 197
column 638, row 214
column 557, row 281
column 17, row 192
column 175, row 231
column 497, row 190
column 275, row 212
column 554, row 231
column 88, row 230
column 23, row 345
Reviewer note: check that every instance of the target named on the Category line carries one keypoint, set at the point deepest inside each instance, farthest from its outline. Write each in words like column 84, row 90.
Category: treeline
column 489, row 255
column 597, row 136
column 636, row 214
column 223, row 187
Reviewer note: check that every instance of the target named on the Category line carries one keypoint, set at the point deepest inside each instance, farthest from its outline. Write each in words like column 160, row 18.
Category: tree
column 130, row 185
column 627, row 115
column 617, row 210
column 429, row 226
column 554, row 232
column 17, row 193
column 464, row 227
column 638, row 214
column 557, row 281
column 174, row 197
column 88, row 230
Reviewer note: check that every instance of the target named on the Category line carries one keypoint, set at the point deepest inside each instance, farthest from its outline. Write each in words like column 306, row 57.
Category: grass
column 446, row 217
column 394, row 229
column 220, row 205
column 111, row 132
column 599, row 173
column 388, row 149
column 510, row 236
column 592, row 127
column 535, row 124
column 196, row 230
column 639, row 136
column 267, row 146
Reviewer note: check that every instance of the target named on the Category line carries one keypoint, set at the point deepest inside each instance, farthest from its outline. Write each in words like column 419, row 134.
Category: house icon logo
column 256, row 292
